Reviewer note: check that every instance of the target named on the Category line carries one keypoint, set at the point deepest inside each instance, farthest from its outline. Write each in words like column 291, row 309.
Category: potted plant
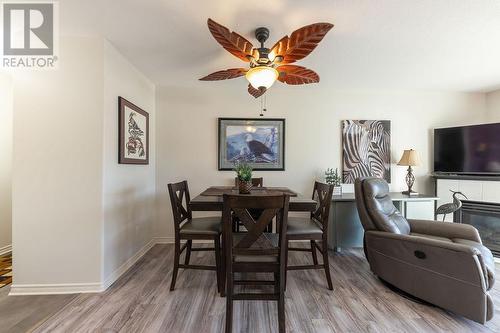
column 244, row 175
column 332, row 177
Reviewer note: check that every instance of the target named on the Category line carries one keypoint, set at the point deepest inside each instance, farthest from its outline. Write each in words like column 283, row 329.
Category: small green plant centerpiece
column 244, row 175
column 332, row 177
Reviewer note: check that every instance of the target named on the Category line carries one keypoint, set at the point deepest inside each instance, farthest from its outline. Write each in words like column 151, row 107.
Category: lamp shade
column 262, row 76
column 409, row 158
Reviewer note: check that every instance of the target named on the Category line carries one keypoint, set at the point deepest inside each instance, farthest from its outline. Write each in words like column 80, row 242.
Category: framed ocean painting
column 256, row 141
column 133, row 133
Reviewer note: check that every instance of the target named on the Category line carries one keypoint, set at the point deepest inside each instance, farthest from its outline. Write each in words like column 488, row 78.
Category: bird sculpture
column 451, row 207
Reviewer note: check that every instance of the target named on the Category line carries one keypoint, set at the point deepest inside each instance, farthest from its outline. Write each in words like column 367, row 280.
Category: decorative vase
column 244, row 186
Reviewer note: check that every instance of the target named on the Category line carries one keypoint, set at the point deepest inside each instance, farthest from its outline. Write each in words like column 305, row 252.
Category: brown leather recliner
column 439, row 262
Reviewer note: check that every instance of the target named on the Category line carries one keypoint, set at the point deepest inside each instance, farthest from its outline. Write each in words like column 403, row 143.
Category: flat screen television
column 467, row 149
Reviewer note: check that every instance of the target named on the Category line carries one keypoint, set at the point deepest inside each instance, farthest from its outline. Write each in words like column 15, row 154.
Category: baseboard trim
column 127, row 264
column 53, row 289
column 80, row 288
column 164, row 240
column 171, row 240
column 5, row 249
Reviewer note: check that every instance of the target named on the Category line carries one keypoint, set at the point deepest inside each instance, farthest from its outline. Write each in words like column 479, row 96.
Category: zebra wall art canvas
column 366, row 149
column 258, row 142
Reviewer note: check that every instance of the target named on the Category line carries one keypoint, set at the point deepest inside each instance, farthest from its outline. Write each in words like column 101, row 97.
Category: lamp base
column 410, row 180
column 409, row 193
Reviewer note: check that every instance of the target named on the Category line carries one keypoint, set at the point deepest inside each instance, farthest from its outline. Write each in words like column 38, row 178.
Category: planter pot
column 244, row 186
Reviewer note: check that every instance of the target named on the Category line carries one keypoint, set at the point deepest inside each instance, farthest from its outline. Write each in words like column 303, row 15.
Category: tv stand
column 462, row 176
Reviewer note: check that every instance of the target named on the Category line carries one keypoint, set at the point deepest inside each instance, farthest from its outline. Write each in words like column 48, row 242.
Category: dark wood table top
column 211, row 198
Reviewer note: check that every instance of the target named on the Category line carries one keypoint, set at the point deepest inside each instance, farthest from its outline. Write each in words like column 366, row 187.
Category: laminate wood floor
column 141, row 302
column 19, row 314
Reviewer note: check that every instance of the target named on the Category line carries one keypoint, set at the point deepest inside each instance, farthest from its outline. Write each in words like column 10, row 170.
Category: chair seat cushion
column 303, row 226
column 202, row 226
column 486, row 254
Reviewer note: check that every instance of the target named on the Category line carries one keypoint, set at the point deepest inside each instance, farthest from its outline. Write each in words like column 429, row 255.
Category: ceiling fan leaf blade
column 295, row 75
column 304, row 40
column 226, row 74
column 234, row 43
column 279, row 49
column 256, row 92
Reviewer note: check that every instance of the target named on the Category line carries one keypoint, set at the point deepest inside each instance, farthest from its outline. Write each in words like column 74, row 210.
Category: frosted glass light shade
column 262, row 76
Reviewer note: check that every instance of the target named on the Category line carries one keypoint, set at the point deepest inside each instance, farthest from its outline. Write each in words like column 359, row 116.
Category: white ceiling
column 375, row 44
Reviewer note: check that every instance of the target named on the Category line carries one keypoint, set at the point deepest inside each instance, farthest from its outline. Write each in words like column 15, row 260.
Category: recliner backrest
column 375, row 207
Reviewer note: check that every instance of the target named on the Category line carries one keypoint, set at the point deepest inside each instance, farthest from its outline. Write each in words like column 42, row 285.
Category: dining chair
column 313, row 229
column 188, row 228
column 256, row 182
column 255, row 251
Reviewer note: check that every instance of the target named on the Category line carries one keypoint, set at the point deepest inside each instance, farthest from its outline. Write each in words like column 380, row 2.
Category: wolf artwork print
column 258, row 142
column 133, row 133
column 366, row 149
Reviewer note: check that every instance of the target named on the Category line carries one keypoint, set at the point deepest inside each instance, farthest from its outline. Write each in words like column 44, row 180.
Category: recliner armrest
column 445, row 229
column 460, row 261
column 426, row 241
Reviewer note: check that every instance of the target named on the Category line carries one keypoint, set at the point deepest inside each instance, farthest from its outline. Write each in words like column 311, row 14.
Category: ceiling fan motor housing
column 263, row 56
column 262, row 34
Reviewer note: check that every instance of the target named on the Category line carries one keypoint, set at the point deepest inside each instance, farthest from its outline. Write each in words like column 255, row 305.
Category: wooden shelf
column 466, row 177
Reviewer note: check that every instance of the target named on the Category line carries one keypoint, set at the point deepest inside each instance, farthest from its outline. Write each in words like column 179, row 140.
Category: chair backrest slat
column 180, row 198
column 255, row 241
column 322, row 193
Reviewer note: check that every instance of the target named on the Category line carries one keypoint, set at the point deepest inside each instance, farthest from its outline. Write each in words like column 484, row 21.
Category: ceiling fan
column 269, row 65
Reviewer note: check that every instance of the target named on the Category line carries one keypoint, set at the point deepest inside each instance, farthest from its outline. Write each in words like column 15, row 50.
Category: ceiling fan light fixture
column 266, row 65
column 262, row 76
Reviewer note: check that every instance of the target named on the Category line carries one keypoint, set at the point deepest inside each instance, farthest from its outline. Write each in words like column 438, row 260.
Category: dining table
column 211, row 199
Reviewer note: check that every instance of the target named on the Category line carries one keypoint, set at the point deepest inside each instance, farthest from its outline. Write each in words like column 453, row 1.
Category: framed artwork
column 366, row 146
column 133, row 133
column 259, row 142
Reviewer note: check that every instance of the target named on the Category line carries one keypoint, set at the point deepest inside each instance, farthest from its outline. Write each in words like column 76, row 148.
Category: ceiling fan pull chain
column 261, row 106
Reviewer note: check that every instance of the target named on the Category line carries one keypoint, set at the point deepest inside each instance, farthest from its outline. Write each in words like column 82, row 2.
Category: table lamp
column 409, row 159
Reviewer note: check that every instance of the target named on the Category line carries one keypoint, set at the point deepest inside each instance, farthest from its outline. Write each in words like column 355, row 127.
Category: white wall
column 79, row 218
column 493, row 106
column 128, row 190
column 187, row 131
column 57, row 169
column 5, row 162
